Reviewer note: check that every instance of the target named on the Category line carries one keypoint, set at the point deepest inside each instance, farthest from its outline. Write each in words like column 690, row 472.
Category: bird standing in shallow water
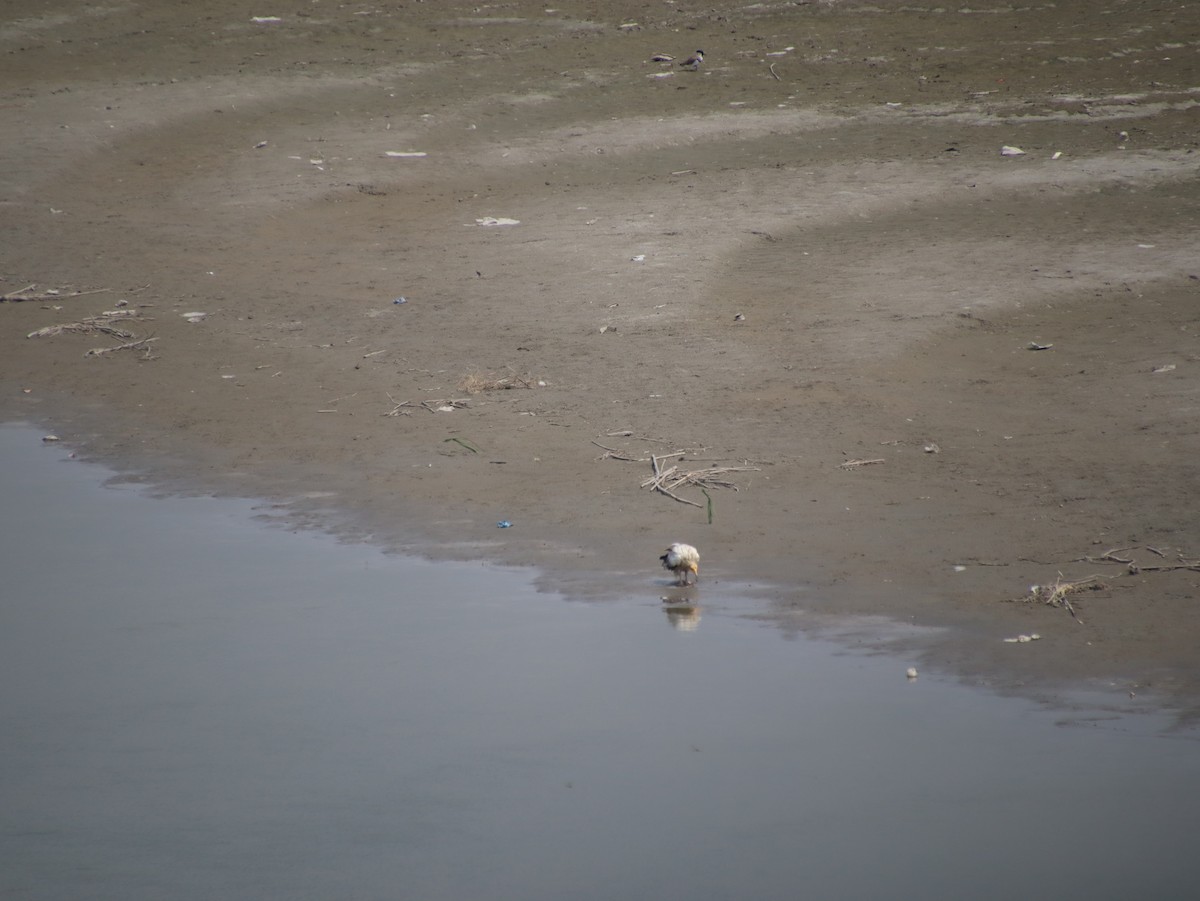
column 693, row 62
column 682, row 559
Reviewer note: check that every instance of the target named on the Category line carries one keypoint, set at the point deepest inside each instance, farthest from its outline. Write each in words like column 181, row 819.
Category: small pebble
column 911, row 672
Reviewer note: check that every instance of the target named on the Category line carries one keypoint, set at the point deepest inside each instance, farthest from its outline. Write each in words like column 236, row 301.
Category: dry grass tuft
column 478, row 382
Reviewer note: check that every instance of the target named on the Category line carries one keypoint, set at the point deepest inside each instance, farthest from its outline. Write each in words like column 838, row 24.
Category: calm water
column 194, row 705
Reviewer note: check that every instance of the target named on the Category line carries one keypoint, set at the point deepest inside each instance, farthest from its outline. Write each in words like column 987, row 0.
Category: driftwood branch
column 1112, row 556
column 131, row 345
column 23, row 294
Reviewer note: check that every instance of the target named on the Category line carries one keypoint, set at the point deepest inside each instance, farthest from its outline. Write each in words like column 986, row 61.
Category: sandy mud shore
column 904, row 371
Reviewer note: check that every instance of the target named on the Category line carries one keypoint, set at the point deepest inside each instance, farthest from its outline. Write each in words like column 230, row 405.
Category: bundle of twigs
column 1058, row 593
column 104, row 324
column 667, row 481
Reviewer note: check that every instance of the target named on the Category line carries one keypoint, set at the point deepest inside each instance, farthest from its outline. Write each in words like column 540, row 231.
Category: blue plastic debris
column 504, row 524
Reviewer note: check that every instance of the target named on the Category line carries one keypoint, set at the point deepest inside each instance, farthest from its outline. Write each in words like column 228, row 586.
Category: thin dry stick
column 854, row 464
column 21, row 295
column 654, row 458
column 676, row 497
column 626, row 433
column 132, row 345
column 614, row 454
column 398, row 409
column 1110, row 556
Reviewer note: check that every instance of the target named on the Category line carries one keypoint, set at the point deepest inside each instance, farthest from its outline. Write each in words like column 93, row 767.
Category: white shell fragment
column 1023, row 639
column 405, row 154
column 489, row 221
column 194, row 316
column 911, row 673
column 1008, row 150
column 50, row 439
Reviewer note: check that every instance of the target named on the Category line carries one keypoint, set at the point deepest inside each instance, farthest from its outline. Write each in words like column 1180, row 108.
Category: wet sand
column 806, row 256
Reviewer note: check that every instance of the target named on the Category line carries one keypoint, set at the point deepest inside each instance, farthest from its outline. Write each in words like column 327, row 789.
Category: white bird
column 693, row 62
column 682, row 559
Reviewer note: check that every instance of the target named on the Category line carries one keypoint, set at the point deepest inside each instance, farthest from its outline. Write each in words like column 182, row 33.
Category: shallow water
column 198, row 705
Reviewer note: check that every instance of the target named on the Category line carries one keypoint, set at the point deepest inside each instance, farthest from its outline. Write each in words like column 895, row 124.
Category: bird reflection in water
column 681, row 614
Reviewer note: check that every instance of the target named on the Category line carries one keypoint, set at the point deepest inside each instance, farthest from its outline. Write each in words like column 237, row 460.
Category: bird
column 693, row 62
column 682, row 559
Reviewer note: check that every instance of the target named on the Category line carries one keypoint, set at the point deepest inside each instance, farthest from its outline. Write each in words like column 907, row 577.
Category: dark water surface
column 194, row 705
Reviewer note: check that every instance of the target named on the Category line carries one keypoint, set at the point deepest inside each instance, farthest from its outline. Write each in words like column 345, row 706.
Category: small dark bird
column 693, row 62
